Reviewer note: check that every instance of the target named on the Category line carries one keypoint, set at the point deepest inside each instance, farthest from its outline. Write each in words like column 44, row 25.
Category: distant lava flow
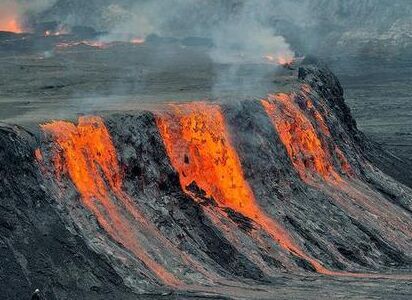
column 88, row 155
column 10, row 25
column 200, row 149
column 285, row 60
column 10, row 17
column 311, row 159
column 137, row 41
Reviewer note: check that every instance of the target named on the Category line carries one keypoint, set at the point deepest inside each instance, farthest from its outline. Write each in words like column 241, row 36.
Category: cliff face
column 201, row 196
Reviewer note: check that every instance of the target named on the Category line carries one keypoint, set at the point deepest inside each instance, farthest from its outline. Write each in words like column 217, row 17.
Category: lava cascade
column 311, row 159
column 199, row 147
column 200, row 150
column 89, row 156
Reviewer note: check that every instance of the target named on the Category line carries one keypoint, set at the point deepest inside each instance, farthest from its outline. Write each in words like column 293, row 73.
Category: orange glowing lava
column 137, row 41
column 38, row 155
column 303, row 145
column 199, row 147
column 10, row 24
column 283, row 59
column 10, row 16
column 313, row 160
column 86, row 153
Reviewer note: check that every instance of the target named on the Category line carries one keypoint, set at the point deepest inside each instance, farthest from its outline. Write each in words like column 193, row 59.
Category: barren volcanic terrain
column 145, row 170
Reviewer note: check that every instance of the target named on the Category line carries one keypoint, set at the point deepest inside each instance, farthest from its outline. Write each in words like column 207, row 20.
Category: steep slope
column 199, row 197
column 38, row 247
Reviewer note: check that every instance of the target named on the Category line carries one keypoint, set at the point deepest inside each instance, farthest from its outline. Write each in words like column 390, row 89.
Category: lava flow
column 285, row 60
column 199, row 147
column 10, row 17
column 310, row 158
column 313, row 159
column 10, row 24
column 196, row 141
column 87, row 154
column 136, row 41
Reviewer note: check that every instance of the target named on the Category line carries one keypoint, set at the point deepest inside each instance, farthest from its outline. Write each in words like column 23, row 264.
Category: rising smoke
column 241, row 33
column 315, row 26
column 240, row 30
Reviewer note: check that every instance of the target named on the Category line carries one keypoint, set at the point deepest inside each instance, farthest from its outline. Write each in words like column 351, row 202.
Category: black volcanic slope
column 137, row 204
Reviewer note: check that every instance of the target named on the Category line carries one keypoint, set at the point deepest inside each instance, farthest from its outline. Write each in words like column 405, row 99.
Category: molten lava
column 197, row 143
column 312, row 157
column 309, row 156
column 11, row 25
column 137, row 41
column 10, row 16
column 200, row 148
column 87, row 154
column 38, row 155
column 283, row 59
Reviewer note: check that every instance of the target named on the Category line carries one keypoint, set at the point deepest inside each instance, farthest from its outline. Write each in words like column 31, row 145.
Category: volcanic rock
column 97, row 208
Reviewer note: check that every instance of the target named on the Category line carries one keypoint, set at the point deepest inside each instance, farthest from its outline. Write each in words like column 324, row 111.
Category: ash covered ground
column 151, row 166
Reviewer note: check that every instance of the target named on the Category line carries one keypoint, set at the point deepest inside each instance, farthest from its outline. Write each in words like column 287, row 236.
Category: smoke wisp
column 240, row 31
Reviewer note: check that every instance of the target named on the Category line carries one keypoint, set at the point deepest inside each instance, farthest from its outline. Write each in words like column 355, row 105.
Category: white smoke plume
column 240, row 30
column 246, row 36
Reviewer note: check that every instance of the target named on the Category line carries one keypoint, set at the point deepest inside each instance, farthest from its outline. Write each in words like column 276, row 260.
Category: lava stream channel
column 199, row 147
column 87, row 154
